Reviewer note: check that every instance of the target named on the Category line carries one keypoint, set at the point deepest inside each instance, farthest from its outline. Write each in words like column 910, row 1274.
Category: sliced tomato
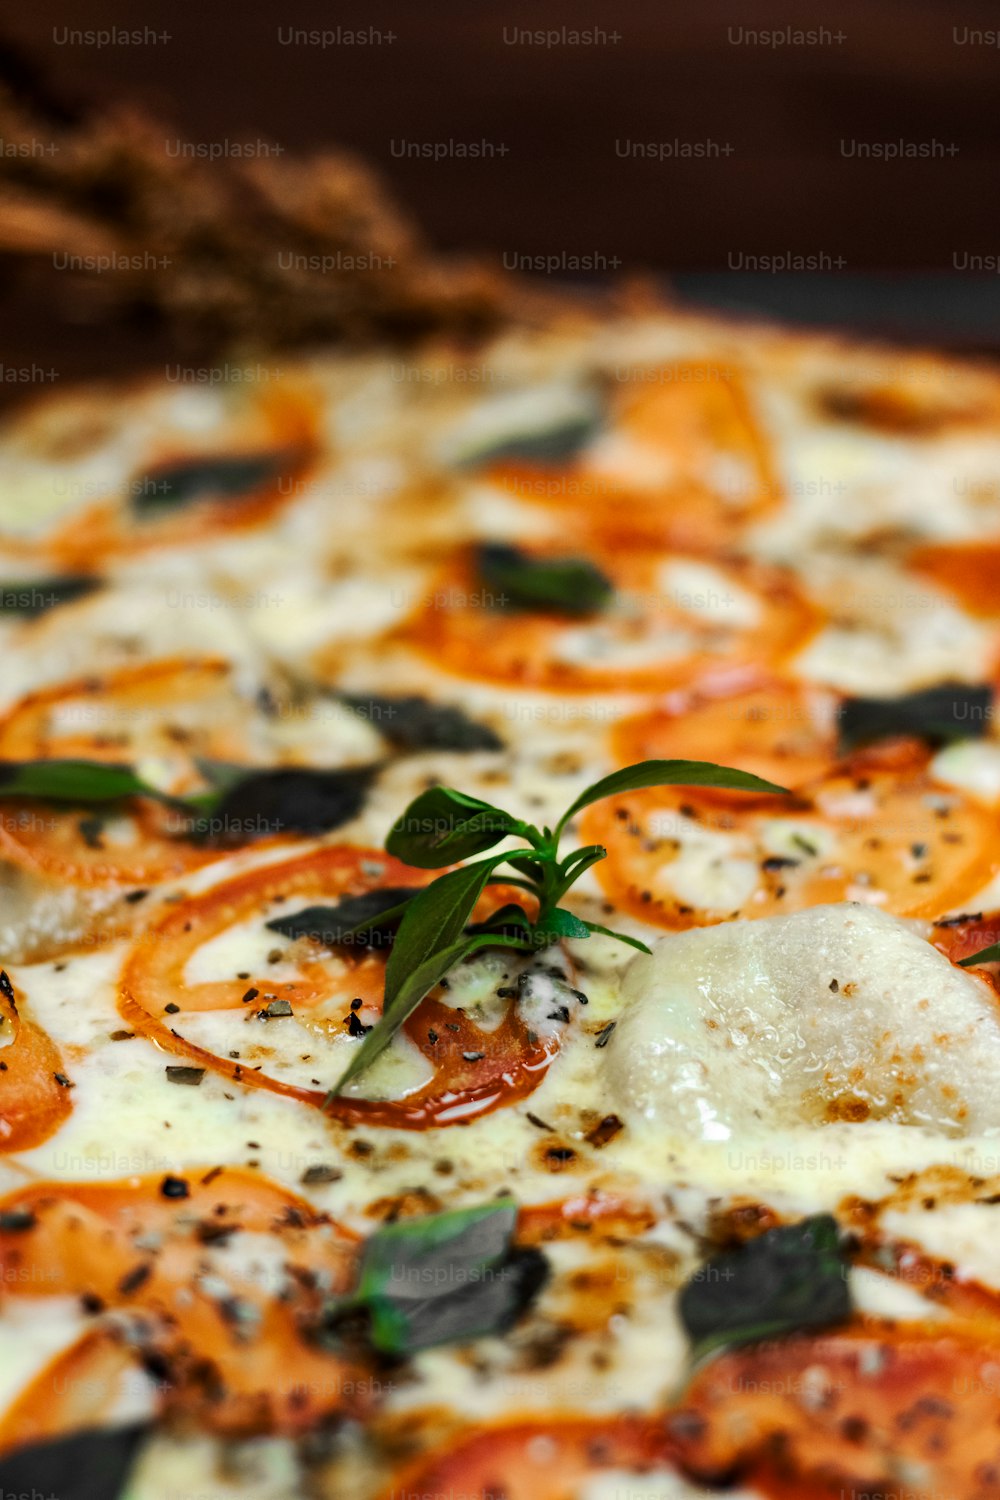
column 35, row 1094
column 686, row 465
column 551, row 1459
column 782, row 731
column 284, row 421
column 877, row 829
column 175, row 710
column 78, row 1389
column 676, row 620
column 474, row 1070
column 812, row 1416
column 967, row 570
column 231, row 1349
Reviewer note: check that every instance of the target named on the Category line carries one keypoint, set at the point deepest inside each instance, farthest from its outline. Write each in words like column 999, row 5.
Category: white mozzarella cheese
column 839, row 1012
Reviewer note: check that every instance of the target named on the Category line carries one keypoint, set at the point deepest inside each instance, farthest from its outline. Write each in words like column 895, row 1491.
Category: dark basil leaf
column 442, row 826
column 77, row 781
column 668, row 773
column 89, row 1465
column 984, row 956
column 286, row 800
column 948, row 711
column 787, row 1279
column 413, row 723
column 553, row 445
column 446, row 1278
column 34, row 596
column 365, row 921
column 553, row 585
column 619, row 937
column 224, row 476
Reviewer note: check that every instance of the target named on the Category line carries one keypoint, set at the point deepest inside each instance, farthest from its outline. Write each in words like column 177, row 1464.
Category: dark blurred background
column 778, row 126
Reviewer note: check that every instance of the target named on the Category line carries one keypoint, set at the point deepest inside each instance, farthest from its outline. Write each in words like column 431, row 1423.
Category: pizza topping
column 364, row 921
column 544, row 425
column 665, row 621
column 411, row 723
column 30, row 597
column 200, row 955
column 878, row 828
column 733, row 1031
column 89, row 1465
column 948, row 711
column 873, row 1410
column 34, row 1091
column 442, row 825
column 261, row 804
column 446, row 1278
column 513, row 579
column 788, row 1279
column 217, row 1291
column 188, row 481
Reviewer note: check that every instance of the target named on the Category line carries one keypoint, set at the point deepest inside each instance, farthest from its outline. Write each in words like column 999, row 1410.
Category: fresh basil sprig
column 442, row 1279
column 442, row 826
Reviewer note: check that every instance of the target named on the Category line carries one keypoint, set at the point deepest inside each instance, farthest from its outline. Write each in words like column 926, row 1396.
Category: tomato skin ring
column 515, row 649
column 900, row 822
column 535, row 1458
column 501, row 1067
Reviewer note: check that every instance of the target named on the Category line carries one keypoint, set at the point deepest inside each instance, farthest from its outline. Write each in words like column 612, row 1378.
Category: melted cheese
column 837, row 1012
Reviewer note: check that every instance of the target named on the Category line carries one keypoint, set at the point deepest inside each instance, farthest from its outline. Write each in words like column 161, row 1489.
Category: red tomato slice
column 878, row 829
column 537, row 1459
column 232, row 1350
column 179, row 707
column 968, row 570
column 475, row 1071
column 709, row 470
column 660, row 634
column 781, row 731
column 285, row 419
column 813, row 1416
column 33, row 1101
column 176, row 709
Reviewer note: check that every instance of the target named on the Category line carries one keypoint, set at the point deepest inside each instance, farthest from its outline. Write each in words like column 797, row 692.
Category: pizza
column 500, row 851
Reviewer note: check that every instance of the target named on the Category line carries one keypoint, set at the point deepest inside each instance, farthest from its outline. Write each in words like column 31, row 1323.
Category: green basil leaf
column 988, row 955
column 556, row 444
column 417, row 984
column 434, row 919
column 443, row 826
column 365, row 921
column 788, row 1279
column 447, row 1278
column 77, row 781
column 511, row 919
column 35, row 596
column 222, row 476
column 649, row 773
column 619, row 937
column 555, row 585
column 560, row 923
column 939, row 714
column 413, row 723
